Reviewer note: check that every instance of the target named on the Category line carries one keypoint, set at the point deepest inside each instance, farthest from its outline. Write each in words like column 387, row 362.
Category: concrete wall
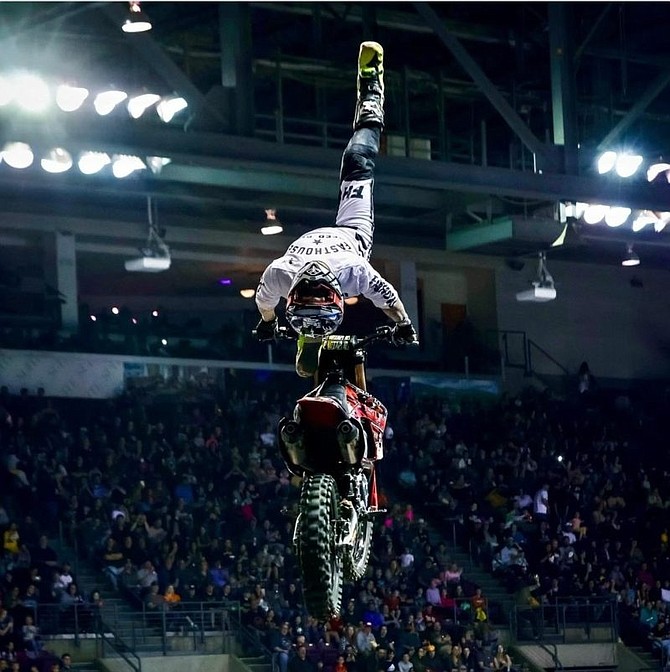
column 623, row 331
column 175, row 663
column 620, row 330
column 571, row 655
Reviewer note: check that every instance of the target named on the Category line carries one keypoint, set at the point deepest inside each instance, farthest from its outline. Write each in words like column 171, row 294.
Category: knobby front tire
column 320, row 564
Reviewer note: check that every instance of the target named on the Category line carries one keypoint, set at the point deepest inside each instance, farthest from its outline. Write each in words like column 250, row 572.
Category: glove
column 265, row 331
column 404, row 333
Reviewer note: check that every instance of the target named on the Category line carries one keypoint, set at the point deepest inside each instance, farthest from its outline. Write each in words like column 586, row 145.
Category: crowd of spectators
column 192, row 504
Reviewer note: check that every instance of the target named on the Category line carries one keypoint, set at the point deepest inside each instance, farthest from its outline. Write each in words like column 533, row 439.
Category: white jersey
column 341, row 249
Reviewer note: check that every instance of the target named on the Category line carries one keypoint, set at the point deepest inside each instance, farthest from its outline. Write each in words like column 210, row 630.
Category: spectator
column 30, row 637
column 45, row 558
column 366, row 642
column 280, row 645
column 502, row 661
column 301, row 663
column 541, row 503
column 11, row 539
column 6, row 627
column 66, row 663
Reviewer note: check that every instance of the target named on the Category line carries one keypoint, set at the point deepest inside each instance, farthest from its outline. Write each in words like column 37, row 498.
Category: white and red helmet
column 315, row 305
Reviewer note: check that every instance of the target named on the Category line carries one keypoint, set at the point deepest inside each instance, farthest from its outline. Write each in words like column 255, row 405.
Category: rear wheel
column 356, row 561
column 320, row 563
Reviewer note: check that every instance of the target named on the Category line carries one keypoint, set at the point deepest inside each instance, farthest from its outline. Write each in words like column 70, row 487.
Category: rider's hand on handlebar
column 265, row 331
column 404, row 333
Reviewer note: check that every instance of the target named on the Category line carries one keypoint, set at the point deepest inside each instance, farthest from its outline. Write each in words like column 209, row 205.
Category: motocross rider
column 328, row 265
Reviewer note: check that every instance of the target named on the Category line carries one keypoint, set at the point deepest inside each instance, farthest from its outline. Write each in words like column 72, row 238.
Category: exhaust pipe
column 291, row 434
column 292, row 438
column 347, row 440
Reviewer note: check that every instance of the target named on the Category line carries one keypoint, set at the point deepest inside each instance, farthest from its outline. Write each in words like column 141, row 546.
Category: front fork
column 354, row 489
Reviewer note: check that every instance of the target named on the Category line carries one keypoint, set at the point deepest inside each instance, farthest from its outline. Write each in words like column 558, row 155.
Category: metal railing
column 534, row 347
column 73, row 620
column 568, row 620
column 126, row 631
column 518, row 351
column 111, row 639
column 194, row 620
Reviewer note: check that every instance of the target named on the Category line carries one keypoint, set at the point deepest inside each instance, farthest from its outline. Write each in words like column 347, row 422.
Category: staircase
column 85, row 667
column 125, row 622
column 499, row 600
column 256, row 663
column 648, row 659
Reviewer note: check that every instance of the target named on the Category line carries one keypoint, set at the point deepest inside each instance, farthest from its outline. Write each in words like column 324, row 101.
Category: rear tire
column 356, row 562
column 320, row 563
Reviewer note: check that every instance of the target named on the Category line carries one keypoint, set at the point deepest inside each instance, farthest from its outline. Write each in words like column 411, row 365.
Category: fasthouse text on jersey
column 311, row 251
column 384, row 289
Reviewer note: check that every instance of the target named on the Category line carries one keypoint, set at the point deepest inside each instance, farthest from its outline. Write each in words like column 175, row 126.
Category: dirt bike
column 332, row 441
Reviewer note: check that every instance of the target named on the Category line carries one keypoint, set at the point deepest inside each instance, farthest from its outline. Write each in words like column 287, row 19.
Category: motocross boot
column 307, row 356
column 370, row 86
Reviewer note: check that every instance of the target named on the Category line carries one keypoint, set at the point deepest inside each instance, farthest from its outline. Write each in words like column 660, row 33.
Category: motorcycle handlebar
column 383, row 333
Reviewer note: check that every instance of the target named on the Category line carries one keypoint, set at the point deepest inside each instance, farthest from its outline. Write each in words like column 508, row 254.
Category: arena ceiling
column 513, row 101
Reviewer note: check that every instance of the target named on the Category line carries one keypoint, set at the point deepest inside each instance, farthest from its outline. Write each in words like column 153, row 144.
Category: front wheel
column 320, row 562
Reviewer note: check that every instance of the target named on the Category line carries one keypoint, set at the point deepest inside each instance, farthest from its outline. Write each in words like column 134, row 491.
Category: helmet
column 315, row 305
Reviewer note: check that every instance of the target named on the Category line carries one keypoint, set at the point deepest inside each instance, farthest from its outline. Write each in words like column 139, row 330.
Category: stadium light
column 595, row 213
column 631, row 258
column 272, row 225
column 124, row 164
column 616, row 216
column 606, row 162
column 57, row 160
column 627, row 164
column 138, row 105
column 157, row 163
column 93, row 162
column 136, row 21
column 168, row 107
column 18, row 155
column 106, row 101
column 31, row 93
column 70, row 98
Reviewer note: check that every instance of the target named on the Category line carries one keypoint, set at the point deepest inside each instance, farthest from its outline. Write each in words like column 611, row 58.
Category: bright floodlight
column 627, row 164
column 70, row 98
column 661, row 221
column 631, row 258
column 595, row 213
column 644, row 218
column 6, row 91
column 137, row 21
column 17, row 155
column 57, row 160
column 654, row 171
column 606, row 162
column 31, row 93
column 272, row 225
column 137, row 105
column 93, row 162
column 271, row 230
column 124, row 165
column 168, row 107
column 616, row 216
column 106, row 101
column 156, row 163
column 575, row 210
